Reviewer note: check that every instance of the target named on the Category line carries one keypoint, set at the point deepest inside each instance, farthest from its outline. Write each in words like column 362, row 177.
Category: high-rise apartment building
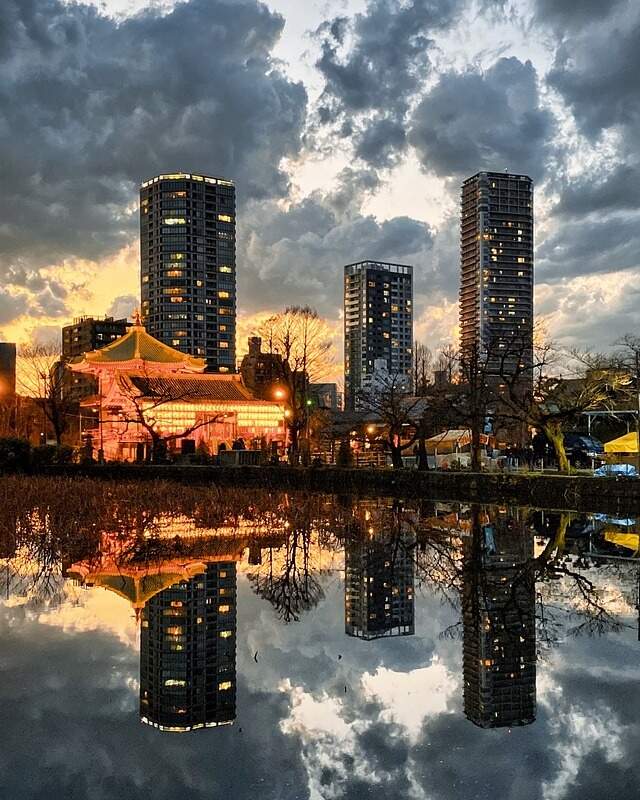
column 188, row 652
column 496, row 253
column 499, row 635
column 378, row 322
column 188, row 265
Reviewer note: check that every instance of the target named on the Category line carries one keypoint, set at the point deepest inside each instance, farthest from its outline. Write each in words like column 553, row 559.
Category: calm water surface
column 283, row 646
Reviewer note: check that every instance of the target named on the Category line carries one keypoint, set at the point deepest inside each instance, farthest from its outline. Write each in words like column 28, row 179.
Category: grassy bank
column 576, row 492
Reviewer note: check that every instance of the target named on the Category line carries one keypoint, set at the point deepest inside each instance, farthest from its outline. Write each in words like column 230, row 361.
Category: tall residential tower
column 188, row 652
column 188, row 265
column 496, row 255
column 378, row 322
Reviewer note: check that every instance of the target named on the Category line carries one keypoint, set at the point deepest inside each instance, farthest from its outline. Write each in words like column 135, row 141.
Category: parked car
column 583, row 450
column 616, row 470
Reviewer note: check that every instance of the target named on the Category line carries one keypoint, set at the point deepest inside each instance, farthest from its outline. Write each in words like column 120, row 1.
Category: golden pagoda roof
column 137, row 585
column 138, row 345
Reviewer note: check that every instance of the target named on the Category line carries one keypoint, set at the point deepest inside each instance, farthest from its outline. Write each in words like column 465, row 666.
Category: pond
column 165, row 641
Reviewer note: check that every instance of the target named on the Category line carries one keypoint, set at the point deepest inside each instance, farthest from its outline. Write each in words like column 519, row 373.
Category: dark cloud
column 387, row 62
column 619, row 190
column 11, row 306
column 581, row 247
column 90, row 106
column 473, row 121
column 300, row 252
column 596, row 72
column 69, row 704
column 574, row 13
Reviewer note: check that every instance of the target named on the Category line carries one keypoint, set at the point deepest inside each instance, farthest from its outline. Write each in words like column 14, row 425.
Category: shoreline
column 575, row 492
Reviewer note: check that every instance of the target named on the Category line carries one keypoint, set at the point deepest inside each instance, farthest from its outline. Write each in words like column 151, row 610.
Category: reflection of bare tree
column 569, row 600
column 285, row 578
column 569, row 593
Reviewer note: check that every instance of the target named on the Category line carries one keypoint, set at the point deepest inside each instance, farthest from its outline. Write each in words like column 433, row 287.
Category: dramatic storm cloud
column 470, row 122
column 347, row 143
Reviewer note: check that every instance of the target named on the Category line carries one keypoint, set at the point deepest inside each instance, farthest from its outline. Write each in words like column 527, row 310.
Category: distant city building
column 325, row 396
column 496, row 251
column 188, row 652
column 82, row 336
column 90, row 333
column 378, row 585
column 7, row 370
column 260, row 371
column 188, row 265
column 378, row 322
column 499, row 636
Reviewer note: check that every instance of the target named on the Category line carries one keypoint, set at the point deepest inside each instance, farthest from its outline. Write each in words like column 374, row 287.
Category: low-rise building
column 150, row 394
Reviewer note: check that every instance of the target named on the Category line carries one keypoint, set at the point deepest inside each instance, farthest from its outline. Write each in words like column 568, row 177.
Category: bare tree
column 447, row 362
column 388, row 400
column 42, row 377
column 302, row 341
column 421, row 369
column 554, row 402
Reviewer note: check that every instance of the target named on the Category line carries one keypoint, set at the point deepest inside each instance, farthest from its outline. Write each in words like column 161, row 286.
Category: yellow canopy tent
column 623, row 444
column 630, row 541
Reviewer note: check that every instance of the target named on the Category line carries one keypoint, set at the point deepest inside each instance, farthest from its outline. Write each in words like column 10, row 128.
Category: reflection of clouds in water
column 397, row 732
column 408, row 698
column 93, row 609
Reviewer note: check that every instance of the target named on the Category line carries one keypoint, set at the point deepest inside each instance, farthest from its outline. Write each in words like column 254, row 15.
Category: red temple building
column 147, row 389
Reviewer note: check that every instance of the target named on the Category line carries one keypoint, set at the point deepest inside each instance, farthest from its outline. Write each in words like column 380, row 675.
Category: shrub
column 48, row 454
column 344, row 458
column 15, row 453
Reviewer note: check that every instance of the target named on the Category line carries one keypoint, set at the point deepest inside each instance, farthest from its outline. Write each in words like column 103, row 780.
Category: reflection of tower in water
column 378, row 585
column 188, row 652
column 499, row 627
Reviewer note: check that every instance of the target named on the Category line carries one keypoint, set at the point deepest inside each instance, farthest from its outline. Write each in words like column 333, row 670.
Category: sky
column 348, row 127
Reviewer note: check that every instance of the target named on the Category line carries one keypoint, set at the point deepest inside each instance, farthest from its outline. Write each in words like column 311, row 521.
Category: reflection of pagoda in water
column 499, row 626
column 188, row 652
column 186, row 605
column 378, row 584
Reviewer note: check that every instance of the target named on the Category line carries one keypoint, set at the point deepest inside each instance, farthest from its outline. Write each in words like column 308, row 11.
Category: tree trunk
column 293, row 444
column 476, row 461
column 555, row 435
column 396, row 455
column 423, row 461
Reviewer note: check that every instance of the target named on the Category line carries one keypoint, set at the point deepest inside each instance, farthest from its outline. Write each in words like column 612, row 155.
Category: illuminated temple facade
column 147, row 388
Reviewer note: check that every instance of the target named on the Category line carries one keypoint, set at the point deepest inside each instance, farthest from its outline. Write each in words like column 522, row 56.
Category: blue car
column 615, row 470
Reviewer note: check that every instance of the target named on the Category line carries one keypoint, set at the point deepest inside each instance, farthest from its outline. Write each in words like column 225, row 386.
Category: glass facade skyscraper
column 188, row 265
column 378, row 585
column 378, row 322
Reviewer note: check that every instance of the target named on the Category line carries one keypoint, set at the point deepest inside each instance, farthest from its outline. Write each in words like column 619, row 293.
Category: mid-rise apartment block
column 378, row 322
